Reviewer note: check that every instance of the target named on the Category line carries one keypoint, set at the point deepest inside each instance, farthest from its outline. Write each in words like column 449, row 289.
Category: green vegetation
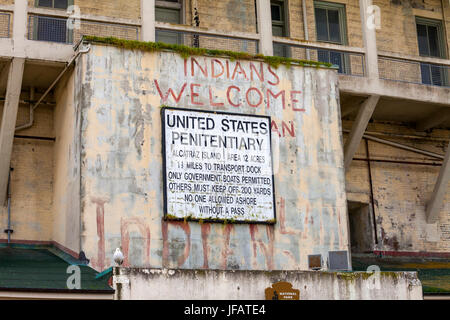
column 185, row 52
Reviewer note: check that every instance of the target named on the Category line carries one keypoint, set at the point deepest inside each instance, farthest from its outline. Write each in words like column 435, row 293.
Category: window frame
column 284, row 23
column 341, row 8
column 69, row 3
column 440, row 33
column 179, row 5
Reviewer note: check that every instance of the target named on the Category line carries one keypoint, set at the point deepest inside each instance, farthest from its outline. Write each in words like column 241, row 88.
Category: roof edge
column 185, row 52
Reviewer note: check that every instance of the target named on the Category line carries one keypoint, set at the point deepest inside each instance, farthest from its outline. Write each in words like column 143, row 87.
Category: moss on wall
column 185, row 52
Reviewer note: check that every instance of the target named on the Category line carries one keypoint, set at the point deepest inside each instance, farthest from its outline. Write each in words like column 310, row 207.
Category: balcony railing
column 420, row 71
column 5, row 25
column 207, row 39
column 350, row 61
column 55, row 29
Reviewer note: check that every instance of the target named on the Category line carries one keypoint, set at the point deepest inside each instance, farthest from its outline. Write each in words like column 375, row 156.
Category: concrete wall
column 156, row 284
column 121, row 172
column 401, row 190
column 66, row 172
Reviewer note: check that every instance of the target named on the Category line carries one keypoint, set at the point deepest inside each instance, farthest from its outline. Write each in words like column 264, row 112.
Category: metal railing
column 413, row 71
column 349, row 63
column 207, row 40
column 54, row 29
column 45, row 28
column 5, row 25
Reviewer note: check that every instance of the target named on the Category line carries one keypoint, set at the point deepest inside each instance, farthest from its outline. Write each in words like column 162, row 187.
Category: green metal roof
column 40, row 269
column 433, row 273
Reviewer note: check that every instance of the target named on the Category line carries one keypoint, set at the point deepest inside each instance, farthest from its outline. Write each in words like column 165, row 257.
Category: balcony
column 69, row 31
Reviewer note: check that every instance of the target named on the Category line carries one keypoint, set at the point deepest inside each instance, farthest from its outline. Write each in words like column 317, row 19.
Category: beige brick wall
column 398, row 26
column 230, row 15
column 353, row 17
column 127, row 9
column 401, row 191
column 32, row 181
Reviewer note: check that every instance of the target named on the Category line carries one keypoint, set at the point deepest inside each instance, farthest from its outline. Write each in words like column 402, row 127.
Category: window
column 430, row 39
column 278, row 26
column 168, row 11
column 331, row 27
column 55, row 4
column 49, row 28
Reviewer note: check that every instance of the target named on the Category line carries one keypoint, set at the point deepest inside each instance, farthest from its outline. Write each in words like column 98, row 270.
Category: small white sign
column 217, row 166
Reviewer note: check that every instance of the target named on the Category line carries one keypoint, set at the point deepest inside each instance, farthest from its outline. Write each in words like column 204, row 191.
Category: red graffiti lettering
column 166, row 96
column 213, row 73
column 203, row 70
column 248, row 98
column 259, row 74
column 195, row 95
column 229, row 98
column 211, row 99
column 294, row 100
column 281, row 93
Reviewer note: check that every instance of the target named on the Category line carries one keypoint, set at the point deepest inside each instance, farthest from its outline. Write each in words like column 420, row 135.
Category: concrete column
column 8, row 123
column 264, row 15
column 359, row 127
column 20, row 26
column 369, row 40
column 437, row 199
column 148, row 20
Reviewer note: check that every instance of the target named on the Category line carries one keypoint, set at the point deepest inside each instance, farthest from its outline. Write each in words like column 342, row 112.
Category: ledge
column 185, row 51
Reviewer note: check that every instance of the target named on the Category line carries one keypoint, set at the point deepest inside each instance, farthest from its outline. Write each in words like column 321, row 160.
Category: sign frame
column 164, row 169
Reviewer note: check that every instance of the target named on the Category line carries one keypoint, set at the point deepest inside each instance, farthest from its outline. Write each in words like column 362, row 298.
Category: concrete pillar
column 264, row 15
column 148, row 20
column 437, row 199
column 359, row 127
column 8, row 123
column 369, row 40
column 20, row 26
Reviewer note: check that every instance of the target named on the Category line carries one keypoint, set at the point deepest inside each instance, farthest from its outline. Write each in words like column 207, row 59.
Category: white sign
column 217, row 166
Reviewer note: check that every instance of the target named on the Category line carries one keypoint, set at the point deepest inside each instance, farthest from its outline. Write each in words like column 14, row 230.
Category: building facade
column 376, row 150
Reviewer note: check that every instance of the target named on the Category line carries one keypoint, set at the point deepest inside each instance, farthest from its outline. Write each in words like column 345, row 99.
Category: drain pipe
column 33, row 107
column 305, row 27
column 9, row 230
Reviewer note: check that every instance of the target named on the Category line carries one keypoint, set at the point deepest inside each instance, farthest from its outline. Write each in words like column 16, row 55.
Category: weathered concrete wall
column 31, row 180
column 401, row 190
column 156, row 284
column 121, row 173
column 66, row 172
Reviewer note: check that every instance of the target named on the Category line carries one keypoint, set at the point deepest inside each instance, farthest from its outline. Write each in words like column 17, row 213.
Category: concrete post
column 264, row 20
column 359, row 127
column 148, row 20
column 437, row 199
column 8, row 123
column 369, row 40
column 20, row 33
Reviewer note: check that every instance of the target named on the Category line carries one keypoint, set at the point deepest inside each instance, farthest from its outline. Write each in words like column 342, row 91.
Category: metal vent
column 315, row 261
column 338, row 260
